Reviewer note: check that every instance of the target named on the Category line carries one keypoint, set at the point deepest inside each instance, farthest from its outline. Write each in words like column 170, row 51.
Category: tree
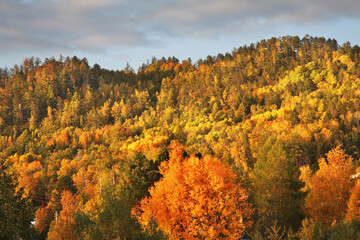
column 65, row 227
column 345, row 230
column 353, row 211
column 29, row 173
column 43, row 216
column 276, row 187
column 141, row 175
column 114, row 220
column 15, row 210
column 196, row 199
column 331, row 188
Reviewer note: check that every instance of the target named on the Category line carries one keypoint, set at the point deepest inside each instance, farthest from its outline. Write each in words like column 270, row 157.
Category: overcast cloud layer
column 103, row 26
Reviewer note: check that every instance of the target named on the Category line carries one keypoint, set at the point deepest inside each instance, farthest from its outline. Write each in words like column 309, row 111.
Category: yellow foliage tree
column 331, row 187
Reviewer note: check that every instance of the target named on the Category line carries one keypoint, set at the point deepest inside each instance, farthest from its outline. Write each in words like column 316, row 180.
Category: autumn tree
column 29, row 173
column 331, row 188
column 64, row 227
column 304, row 92
column 353, row 211
column 43, row 216
column 196, row 199
column 15, row 210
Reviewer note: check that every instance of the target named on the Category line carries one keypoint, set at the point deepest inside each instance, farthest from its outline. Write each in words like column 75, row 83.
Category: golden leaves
column 331, row 186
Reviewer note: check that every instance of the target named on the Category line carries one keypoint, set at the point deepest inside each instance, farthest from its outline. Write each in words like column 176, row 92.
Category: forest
column 260, row 142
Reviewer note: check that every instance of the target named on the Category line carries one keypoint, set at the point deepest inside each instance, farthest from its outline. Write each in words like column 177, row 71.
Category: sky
column 113, row 33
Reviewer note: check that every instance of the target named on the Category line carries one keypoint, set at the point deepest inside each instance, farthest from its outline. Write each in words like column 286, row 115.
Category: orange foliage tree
column 29, row 173
column 43, row 216
column 353, row 211
column 65, row 227
column 196, row 199
column 331, row 188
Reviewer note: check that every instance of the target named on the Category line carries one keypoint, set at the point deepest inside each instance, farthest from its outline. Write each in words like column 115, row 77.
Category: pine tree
column 276, row 187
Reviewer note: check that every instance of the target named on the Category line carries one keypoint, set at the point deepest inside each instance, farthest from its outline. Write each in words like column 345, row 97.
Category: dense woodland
column 264, row 140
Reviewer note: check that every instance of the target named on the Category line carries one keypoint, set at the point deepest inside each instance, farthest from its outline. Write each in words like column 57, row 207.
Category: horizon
column 113, row 33
column 148, row 61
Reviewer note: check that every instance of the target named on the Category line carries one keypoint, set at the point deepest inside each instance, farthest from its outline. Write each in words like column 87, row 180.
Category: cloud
column 232, row 16
column 93, row 26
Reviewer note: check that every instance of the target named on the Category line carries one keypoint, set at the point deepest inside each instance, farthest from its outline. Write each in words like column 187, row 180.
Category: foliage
column 64, row 226
column 277, row 194
column 264, row 110
column 353, row 211
column 206, row 203
column 331, row 188
column 15, row 210
column 345, row 230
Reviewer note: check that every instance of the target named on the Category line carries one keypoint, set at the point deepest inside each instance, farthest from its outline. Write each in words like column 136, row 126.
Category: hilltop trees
column 91, row 144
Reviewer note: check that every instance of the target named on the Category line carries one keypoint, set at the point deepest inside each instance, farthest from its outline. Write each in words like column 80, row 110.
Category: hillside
column 280, row 120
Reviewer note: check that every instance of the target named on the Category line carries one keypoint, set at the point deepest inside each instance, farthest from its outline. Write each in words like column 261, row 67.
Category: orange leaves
column 87, row 138
column 330, row 187
column 65, row 227
column 85, row 180
column 43, row 218
column 196, row 198
column 29, row 173
column 167, row 66
column 177, row 151
column 68, row 203
column 63, row 139
column 51, row 142
column 353, row 211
